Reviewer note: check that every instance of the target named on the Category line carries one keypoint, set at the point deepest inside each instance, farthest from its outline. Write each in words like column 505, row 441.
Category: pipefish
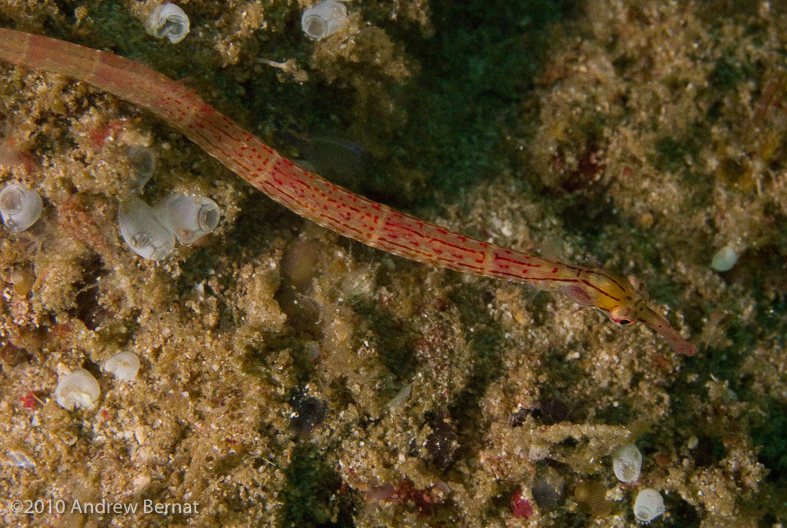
column 317, row 199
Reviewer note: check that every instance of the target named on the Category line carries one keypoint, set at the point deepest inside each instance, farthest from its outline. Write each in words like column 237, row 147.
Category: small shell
column 78, row 390
column 324, row 19
column 168, row 20
column 724, row 259
column 143, row 232
column 627, row 463
column 19, row 206
column 124, row 365
column 648, row 505
column 189, row 217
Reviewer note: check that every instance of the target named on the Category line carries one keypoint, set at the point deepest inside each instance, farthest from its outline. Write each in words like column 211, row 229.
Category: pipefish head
column 617, row 298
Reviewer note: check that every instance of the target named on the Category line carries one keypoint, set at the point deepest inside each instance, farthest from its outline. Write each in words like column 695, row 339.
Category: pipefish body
column 317, row 199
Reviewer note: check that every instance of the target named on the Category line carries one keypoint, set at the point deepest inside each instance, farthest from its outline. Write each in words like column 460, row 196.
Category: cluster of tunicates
column 171, row 22
column 80, row 390
column 318, row 22
column 627, row 464
column 168, row 20
column 151, row 231
column 19, row 206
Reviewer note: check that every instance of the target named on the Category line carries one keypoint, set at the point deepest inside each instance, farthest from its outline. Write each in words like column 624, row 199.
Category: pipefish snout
column 314, row 197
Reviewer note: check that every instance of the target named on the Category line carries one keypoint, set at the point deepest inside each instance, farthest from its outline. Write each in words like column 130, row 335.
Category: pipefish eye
column 620, row 315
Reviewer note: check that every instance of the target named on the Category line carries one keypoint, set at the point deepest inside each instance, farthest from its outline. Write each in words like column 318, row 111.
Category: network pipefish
column 316, row 198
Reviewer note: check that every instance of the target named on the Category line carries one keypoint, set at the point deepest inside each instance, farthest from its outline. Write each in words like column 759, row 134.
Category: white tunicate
column 143, row 161
column 648, row 505
column 19, row 206
column 169, row 21
column 124, row 365
column 143, row 232
column 724, row 259
column 78, row 390
column 189, row 217
column 627, row 463
column 324, row 19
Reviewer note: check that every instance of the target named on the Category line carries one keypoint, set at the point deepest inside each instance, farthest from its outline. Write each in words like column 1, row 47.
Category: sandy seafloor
column 291, row 377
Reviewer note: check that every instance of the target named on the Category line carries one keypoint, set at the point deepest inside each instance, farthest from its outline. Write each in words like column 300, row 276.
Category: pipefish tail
column 317, row 199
